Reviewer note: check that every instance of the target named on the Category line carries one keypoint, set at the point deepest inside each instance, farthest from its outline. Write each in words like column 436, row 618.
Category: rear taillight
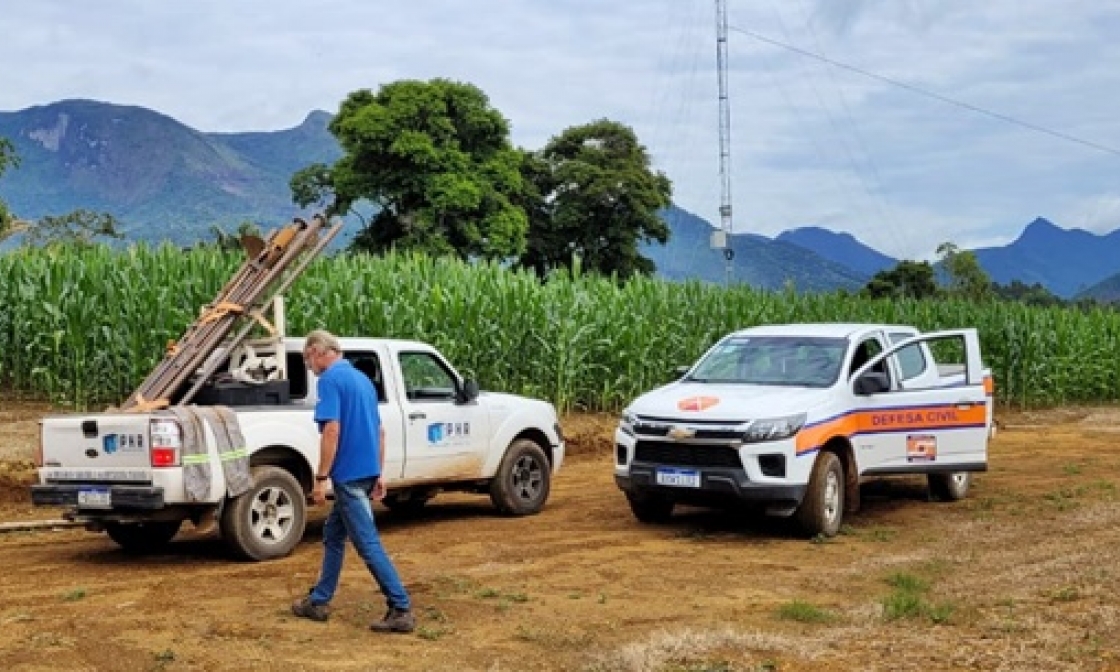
column 39, row 447
column 166, row 440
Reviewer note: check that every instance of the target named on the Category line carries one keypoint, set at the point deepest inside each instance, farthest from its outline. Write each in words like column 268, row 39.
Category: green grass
column 907, row 599
column 804, row 612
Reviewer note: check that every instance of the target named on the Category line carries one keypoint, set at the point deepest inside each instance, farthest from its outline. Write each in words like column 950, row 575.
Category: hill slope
column 759, row 261
column 841, row 248
column 1065, row 261
column 160, row 178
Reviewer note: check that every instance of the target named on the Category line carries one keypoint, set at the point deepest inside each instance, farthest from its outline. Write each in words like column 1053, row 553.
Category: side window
column 367, row 363
column 425, row 377
column 865, row 351
column 297, row 376
column 911, row 360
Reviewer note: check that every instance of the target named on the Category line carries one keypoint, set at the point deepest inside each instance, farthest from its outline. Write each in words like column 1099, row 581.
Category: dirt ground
column 1022, row 575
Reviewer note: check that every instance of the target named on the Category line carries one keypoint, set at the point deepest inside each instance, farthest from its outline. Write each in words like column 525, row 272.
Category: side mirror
column 872, row 382
column 469, row 392
column 681, row 370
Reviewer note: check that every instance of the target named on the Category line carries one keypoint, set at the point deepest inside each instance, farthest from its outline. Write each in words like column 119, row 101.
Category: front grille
column 687, row 454
column 720, row 434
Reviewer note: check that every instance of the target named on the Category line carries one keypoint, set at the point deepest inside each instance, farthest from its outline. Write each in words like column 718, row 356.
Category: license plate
column 678, row 478
column 95, row 499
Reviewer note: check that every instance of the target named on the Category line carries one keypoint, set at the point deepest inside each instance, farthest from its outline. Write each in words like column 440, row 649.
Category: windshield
column 800, row 361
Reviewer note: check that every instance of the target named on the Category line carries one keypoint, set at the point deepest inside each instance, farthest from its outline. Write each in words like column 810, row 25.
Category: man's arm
column 379, row 488
column 328, row 446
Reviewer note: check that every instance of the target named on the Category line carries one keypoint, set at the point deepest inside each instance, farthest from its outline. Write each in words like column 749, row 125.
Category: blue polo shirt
column 347, row 396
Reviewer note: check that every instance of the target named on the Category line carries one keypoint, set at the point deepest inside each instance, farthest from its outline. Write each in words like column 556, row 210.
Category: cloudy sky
column 904, row 122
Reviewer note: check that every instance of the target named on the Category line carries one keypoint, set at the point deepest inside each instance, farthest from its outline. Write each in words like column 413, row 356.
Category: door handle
column 417, row 416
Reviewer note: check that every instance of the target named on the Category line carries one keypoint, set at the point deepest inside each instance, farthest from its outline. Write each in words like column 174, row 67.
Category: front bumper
column 718, row 485
column 122, row 497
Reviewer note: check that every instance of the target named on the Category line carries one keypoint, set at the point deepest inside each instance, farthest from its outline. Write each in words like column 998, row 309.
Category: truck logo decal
column 696, row 404
column 126, row 443
column 678, row 433
column 448, row 433
column 921, row 448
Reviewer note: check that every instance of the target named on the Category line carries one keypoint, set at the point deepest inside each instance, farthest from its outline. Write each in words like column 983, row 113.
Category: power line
column 930, row 94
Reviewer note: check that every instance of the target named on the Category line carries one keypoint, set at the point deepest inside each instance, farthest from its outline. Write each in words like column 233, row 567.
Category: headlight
column 626, row 422
column 774, row 429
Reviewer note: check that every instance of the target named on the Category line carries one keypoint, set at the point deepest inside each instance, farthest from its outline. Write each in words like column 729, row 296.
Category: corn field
column 85, row 326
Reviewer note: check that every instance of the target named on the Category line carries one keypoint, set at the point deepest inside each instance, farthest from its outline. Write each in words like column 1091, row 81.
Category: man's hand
column 318, row 495
column 378, row 493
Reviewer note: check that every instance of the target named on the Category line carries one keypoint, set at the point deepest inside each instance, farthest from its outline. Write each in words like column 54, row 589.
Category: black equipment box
column 238, row 393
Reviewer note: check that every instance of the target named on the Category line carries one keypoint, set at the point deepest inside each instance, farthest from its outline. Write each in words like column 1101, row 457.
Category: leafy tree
column 966, row 277
column 79, row 227
column 8, row 159
column 224, row 240
column 913, row 279
column 435, row 159
column 1034, row 295
column 594, row 196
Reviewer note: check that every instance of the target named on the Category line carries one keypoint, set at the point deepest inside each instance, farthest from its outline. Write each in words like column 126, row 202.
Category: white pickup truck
column 791, row 418
column 123, row 472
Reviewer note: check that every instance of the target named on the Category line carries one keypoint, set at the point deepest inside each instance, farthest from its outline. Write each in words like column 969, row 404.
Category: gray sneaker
column 396, row 620
column 316, row 612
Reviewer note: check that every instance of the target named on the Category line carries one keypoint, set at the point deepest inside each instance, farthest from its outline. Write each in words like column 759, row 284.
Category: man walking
column 351, row 455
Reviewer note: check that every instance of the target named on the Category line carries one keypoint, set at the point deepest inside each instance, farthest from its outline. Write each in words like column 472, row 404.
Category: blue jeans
column 351, row 517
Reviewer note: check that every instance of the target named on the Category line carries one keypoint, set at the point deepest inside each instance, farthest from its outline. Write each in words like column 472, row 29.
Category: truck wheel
column 949, row 487
column 650, row 508
column 822, row 510
column 267, row 521
column 143, row 538
column 523, row 481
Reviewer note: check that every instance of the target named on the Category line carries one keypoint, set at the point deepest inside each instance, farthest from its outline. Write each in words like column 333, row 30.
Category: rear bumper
column 718, row 485
column 122, row 497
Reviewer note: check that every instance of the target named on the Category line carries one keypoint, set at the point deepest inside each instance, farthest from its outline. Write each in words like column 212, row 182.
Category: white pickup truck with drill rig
column 127, row 472
column 791, row 418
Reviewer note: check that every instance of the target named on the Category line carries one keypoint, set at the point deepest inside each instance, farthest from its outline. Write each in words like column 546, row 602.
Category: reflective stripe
column 234, row 454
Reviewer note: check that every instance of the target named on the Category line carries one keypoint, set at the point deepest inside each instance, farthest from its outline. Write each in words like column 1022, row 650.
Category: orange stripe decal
column 887, row 420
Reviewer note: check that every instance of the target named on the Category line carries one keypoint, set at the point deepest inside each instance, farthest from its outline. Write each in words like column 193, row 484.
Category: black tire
column 650, row 508
column 822, row 510
column 143, row 538
column 523, row 481
column 949, row 487
column 407, row 504
column 267, row 521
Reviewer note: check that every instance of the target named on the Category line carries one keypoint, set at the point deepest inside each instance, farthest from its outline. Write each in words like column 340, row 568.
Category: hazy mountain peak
column 317, row 119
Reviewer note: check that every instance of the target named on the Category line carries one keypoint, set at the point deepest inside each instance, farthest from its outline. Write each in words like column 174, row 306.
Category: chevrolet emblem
column 678, row 433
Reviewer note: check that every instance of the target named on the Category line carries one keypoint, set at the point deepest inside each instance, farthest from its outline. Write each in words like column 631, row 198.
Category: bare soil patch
column 1022, row 575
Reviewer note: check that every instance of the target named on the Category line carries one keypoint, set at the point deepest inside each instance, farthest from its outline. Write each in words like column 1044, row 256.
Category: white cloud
column 813, row 143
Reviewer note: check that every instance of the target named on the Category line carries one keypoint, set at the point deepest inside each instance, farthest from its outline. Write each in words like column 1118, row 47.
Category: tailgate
column 99, row 447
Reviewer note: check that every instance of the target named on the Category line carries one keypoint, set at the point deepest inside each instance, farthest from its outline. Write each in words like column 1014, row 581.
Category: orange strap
column 221, row 310
column 143, row 406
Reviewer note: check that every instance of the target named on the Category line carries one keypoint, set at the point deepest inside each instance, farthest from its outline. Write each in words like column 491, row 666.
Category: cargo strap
column 231, row 451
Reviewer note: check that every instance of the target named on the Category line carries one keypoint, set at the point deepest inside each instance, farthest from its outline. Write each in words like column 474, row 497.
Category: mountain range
column 166, row 181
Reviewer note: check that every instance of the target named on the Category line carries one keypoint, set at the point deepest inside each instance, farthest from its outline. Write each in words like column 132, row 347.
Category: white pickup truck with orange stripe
column 793, row 417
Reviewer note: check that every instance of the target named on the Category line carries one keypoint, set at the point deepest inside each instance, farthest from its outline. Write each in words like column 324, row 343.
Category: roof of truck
column 820, row 329
column 366, row 341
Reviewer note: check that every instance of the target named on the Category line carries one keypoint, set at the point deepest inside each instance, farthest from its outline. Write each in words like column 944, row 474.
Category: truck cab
column 791, row 418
